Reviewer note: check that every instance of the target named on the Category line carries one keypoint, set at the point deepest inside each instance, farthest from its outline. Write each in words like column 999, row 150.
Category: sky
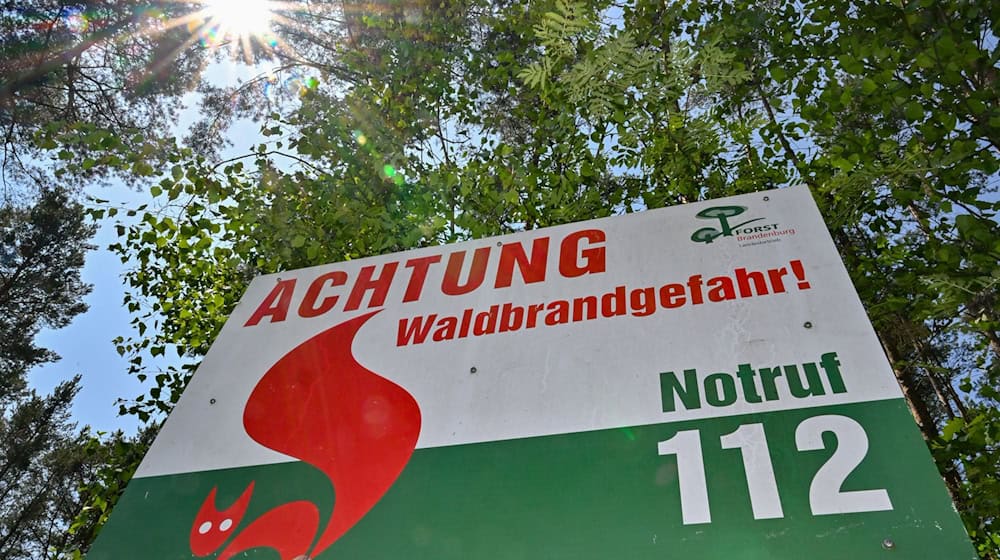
column 85, row 346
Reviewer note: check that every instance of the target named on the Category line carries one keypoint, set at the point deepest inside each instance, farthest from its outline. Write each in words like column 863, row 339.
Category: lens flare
column 75, row 20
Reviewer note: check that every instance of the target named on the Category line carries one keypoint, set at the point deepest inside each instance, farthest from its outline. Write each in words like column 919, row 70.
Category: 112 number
column 825, row 495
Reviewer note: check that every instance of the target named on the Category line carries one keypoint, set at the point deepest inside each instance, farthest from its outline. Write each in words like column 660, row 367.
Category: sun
column 239, row 19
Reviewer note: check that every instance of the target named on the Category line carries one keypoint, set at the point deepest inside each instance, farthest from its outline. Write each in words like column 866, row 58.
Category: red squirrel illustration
column 319, row 405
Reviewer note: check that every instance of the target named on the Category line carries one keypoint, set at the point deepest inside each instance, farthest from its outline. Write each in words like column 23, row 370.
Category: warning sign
column 699, row 381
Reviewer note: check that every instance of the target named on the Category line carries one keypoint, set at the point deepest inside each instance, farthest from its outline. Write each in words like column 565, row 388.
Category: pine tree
column 41, row 252
column 43, row 458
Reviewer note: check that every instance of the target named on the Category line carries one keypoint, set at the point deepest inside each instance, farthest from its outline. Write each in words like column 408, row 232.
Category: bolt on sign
column 693, row 382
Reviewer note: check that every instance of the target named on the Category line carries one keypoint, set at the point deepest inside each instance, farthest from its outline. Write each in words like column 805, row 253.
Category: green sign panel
column 694, row 382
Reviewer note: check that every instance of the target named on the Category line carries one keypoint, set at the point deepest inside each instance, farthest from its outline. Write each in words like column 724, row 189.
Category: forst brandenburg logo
column 722, row 214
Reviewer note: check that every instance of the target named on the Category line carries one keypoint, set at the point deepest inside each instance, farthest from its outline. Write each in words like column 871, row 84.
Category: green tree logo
column 721, row 213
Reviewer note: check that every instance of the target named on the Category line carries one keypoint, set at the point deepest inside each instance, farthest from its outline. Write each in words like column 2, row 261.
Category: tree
column 107, row 462
column 41, row 253
column 122, row 65
column 36, row 472
column 48, row 470
column 43, row 459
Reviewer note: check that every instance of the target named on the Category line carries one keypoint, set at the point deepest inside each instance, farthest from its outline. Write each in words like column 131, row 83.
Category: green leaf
column 953, row 426
column 913, row 111
column 947, row 120
column 850, row 64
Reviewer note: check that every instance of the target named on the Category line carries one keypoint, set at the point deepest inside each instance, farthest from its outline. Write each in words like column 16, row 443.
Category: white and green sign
column 697, row 382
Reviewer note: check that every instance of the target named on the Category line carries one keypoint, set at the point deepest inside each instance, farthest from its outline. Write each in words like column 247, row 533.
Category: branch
column 789, row 152
column 272, row 152
column 25, row 79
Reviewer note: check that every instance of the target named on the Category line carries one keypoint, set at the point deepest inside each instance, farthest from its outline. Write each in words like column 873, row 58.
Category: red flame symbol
column 319, row 405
